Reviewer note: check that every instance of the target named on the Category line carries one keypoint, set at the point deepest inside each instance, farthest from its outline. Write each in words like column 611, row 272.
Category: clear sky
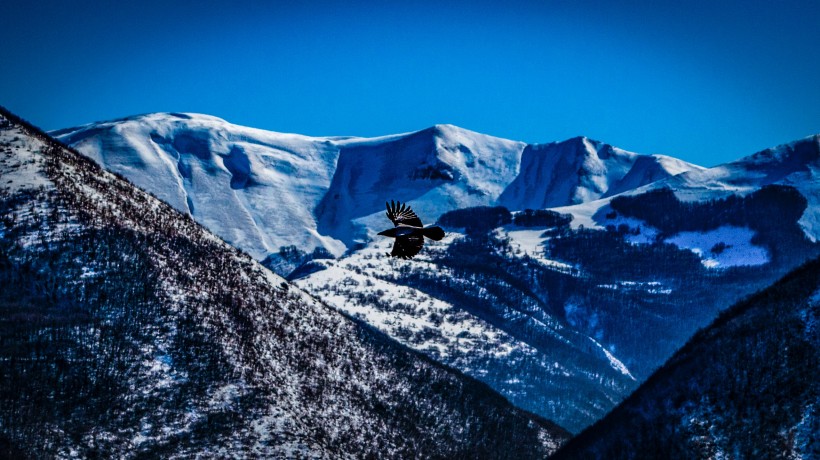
column 707, row 81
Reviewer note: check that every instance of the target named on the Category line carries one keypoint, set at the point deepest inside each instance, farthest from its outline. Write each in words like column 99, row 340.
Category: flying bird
column 408, row 231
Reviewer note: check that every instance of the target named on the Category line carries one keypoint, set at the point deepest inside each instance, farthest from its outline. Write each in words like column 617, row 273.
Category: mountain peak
column 579, row 170
column 443, row 128
column 578, row 140
column 793, row 155
column 437, row 169
column 198, row 162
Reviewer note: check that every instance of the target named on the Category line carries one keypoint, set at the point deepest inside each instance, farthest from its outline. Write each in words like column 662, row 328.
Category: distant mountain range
column 128, row 330
column 329, row 189
column 530, row 305
column 233, row 170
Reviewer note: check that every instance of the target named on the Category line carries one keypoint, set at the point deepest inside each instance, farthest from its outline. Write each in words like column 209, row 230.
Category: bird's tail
column 434, row 233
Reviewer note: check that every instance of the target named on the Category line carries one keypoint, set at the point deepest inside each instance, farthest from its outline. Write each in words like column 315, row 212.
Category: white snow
column 613, row 361
column 531, row 242
column 583, row 215
column 254, row 188
column 581, row 170
column 434, row 170
column 738, row 251
column 20, row 166
column 403, row 312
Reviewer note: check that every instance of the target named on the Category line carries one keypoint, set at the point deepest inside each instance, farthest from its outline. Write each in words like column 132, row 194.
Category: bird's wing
column 400, row 213
column 408, row 246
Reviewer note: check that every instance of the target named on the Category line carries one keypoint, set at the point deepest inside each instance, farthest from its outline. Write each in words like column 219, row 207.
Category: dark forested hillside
column 772, row 212
column 748, row 386
column 564, row 374
column 127, row 330
column 647, row 296
column 643, row 299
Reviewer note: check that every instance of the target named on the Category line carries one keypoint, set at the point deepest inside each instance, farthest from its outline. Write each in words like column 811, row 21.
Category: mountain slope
column 256, row 189
column 580, row 170
column 330, row 190
column 795, row 164
column 437, row 170
column 128, row 330
column 745, row 387
column 489, row 327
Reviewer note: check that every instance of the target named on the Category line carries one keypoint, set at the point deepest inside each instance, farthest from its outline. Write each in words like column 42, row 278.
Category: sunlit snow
column 726, row 246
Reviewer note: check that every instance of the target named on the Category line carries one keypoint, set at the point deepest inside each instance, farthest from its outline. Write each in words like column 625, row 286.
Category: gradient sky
column 706, row 81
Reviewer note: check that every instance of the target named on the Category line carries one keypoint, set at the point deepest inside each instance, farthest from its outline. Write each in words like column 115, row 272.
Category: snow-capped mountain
column 256, row 189
column 795, row 164
column 331, row 190
column 436, row 170
column 580, row 170
column 225, row 175
column 745, row 387
column 130, row 331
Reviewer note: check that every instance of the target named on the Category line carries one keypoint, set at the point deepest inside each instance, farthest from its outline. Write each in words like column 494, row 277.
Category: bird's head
column 391, row 232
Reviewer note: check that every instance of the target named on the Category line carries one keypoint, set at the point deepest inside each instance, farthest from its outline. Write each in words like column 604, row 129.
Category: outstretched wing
column 400, row 213
column 407, row 246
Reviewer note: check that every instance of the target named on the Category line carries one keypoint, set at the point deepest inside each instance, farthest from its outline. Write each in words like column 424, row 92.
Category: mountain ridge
column 602, row 170
column 449, row 168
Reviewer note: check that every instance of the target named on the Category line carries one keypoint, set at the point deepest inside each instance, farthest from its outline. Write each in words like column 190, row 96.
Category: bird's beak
column 384, row 233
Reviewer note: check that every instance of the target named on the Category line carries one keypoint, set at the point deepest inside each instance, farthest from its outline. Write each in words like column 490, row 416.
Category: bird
column 409, row 232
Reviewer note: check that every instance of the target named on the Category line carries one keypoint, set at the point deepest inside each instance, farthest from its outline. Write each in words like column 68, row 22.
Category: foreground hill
column 127, row 330
column 748, row 386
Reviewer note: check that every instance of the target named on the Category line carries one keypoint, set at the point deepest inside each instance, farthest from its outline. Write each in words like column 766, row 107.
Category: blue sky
column 707, row 81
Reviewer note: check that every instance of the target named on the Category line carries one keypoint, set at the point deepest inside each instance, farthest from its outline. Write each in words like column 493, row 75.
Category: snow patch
column 726, row 246
column 614, row 362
